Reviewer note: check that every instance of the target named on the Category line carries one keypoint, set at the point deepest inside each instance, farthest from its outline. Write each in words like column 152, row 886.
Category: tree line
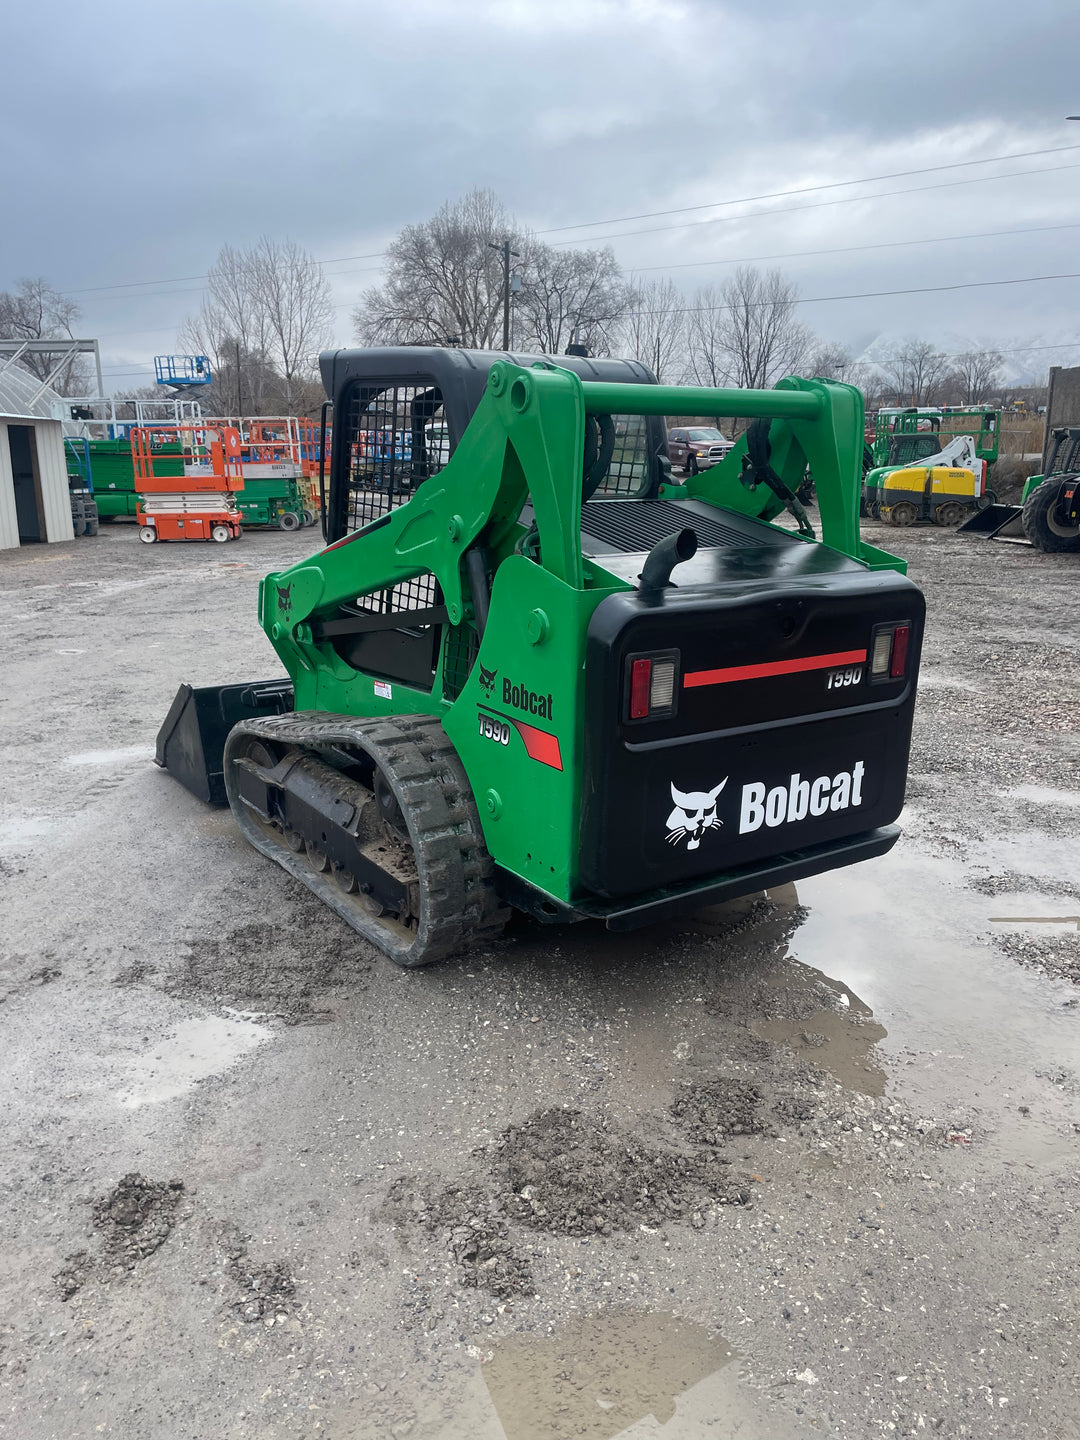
column 268, row 312
column 444, row 285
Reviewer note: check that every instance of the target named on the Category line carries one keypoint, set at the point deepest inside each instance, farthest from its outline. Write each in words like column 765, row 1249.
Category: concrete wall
column 1063, row 402
column 52, row 473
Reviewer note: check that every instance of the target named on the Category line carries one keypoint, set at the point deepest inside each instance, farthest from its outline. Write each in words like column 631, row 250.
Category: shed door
column 22, row 443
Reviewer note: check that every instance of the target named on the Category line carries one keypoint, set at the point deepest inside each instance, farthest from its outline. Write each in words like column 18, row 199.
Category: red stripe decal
column 539, row 745
column 773, row 667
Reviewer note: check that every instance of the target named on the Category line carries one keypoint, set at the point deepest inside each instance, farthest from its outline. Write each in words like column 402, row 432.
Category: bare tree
column 445, row 283
column 977, row 374
column 654, row 329
column 831, row 361
column 570, row 295
column 765, row 340
column 35, row 311
column 916, row 372
column 747, row 334
column 706, row 338
column 295, row 302
column 268, row 311
column 444, row 279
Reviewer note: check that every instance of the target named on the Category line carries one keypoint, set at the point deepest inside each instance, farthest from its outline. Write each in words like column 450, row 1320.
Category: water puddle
column 967, row 1026
column 841, row 1042
column 197, row 1049
column 1041, row 795
column 1029, row 852
column 19, row 832
column 625, row 1373
column 111, row 757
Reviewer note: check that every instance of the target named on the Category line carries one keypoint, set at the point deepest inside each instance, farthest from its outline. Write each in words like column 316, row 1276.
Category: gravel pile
column 572, row 1174
column 718, row 1109
column 133, row 1219
column 282, row 969
column 473, row 1233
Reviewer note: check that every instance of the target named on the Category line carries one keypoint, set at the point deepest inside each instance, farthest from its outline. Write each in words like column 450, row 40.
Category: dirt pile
column 474, row 1234
column 278, row 969
column 715, row 1110
column 133, row 1219
column 1055, row 955
column 268, row 1291
column 573, row 1174
column 1010, row 882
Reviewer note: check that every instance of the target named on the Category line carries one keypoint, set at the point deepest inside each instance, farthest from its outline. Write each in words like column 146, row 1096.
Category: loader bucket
column 191, row 743
column 995, row 522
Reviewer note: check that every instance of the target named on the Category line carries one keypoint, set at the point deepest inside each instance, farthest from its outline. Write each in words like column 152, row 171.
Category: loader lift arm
column 526, row 443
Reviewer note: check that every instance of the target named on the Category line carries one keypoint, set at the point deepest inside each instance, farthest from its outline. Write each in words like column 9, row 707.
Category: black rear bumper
column 649, row 909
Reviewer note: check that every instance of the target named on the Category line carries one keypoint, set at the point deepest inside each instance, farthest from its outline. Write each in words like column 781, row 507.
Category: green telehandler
column 532, row 671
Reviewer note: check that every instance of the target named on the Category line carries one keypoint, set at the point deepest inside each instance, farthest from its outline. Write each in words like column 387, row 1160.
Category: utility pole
column 239, row 391
column 506, row 253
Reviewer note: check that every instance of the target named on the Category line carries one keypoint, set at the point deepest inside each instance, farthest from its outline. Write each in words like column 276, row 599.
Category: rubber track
column 455, row 871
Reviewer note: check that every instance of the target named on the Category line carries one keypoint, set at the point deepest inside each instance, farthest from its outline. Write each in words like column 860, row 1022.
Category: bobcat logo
column 284, row 596
column 487, row 680
column 694, row 813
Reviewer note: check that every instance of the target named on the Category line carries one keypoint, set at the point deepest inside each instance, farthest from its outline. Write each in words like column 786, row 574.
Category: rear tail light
column 889, row 651
column 651, row 685
column 640, row 685
column 899, row 652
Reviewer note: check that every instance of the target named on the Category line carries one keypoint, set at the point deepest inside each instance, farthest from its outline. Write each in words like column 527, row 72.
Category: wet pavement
column 801, row 1165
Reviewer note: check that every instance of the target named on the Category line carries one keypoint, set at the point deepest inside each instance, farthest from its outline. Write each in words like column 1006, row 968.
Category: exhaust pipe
column 664, row 556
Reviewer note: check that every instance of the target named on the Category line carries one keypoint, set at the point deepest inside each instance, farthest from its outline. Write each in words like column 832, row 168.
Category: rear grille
column 627, row 526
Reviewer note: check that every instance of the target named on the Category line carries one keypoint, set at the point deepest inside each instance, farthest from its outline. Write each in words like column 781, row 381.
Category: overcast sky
column 137, row 138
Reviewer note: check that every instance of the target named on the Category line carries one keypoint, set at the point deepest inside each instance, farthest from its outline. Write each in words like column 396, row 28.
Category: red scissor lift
column 200, row 504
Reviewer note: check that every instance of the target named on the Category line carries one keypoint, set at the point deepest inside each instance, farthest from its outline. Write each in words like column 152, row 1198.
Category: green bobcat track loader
column 529, row 670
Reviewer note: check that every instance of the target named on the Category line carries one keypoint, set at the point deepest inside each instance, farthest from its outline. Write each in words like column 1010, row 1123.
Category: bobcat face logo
column 284, row 596
column 694, row 813
column 487, row 680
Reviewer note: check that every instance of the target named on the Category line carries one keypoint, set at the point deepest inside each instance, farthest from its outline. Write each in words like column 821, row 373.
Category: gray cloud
column 158, row 134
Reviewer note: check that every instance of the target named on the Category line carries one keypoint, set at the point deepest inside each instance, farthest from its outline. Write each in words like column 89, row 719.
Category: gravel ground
column 803, row 1165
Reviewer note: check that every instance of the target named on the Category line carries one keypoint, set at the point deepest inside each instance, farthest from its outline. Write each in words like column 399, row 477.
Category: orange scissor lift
column 200, row 504
column 270, row 442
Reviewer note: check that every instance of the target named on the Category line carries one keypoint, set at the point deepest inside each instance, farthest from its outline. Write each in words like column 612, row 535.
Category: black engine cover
column 770, row 749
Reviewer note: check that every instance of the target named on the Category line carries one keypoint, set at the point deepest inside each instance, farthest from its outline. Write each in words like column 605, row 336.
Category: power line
column 733, row 260
column 870, row 294
column 180, row 279
column 852, row 249
column 1018, row 350
column 200, row 289
column 651, row 214
column 818, row 205
column 808, row 189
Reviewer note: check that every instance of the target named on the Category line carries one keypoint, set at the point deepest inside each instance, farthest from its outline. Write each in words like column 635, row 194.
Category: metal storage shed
column 35, row 504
